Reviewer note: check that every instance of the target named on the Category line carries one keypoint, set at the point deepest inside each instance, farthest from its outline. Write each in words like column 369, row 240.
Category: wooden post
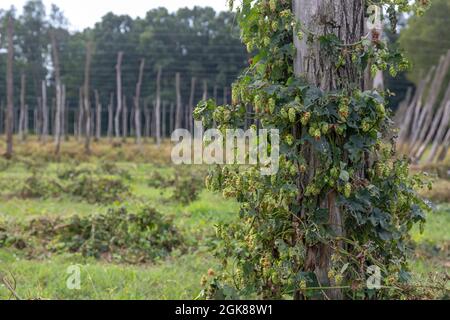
column 64, row 113
column 190, row 122
column 137, row 106
column 119, row 92
column 80, row 114
column 153, row 120
column 98, row 117
column 172, row 118
column 164, row 120
column 348, row 21
column 2, row 110
column 111, row 116
column 87, row 103
column 75, row 123
column 444, row 148
column 26, row 123
column 35, row 121
column 39, row 118
column 147, row 119
column 124, row 119
column 158, row 108
column 44, row 112
column 205, row 90
column 9, row 90
column 22, row 108
column 179, row 111
column 59, row 102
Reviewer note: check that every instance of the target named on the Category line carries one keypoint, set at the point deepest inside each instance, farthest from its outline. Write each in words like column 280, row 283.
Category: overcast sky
column 85, row 13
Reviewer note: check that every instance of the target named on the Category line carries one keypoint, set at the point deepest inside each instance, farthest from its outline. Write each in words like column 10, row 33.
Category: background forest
column 197, row 43
column 136, row 225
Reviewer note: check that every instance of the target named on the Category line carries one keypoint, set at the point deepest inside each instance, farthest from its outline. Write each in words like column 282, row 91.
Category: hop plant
column 273, row 5
column 305, row 118
column 292, row 115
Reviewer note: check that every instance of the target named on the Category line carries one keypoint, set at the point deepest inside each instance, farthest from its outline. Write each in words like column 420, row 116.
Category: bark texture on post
column 346, row 20
column 9, row 119
column 119, row 93
column 343, row 18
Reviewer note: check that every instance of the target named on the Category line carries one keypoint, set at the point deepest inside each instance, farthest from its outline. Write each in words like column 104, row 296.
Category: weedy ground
column 41, row 192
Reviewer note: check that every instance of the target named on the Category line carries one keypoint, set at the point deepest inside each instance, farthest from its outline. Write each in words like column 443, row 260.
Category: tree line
column 122, row 77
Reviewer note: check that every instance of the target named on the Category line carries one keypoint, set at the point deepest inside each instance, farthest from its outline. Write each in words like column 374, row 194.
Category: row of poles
column 142, row 120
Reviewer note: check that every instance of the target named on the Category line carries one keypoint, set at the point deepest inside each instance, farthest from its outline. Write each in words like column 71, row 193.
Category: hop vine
column 266, row 253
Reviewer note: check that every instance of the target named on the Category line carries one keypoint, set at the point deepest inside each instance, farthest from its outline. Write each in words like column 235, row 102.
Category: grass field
column 42, row 274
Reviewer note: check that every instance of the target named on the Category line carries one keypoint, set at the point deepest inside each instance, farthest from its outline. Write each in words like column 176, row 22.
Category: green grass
column 176, row 277
column 432, row 254
column 33, row 208
column 437, row 227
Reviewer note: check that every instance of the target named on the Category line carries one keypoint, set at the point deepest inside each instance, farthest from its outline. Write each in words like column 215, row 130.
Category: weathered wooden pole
column 45, row 114
column 59, row 102
column 86, row 96
column 80, row 114
column 444, row 148
column 179, row 110
column 111, row 117
column 22, row 108
column 9, row 90
column 26, row 123
column 147, row 115
column 98, row 117
column 137, row 105
column 158, row 108
column 164, row 120
column 124, row 119
column 119, row 93
column 64, row 113
column 191, row 104
column 172, row 118
column 347, row 18
column 205, row 90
